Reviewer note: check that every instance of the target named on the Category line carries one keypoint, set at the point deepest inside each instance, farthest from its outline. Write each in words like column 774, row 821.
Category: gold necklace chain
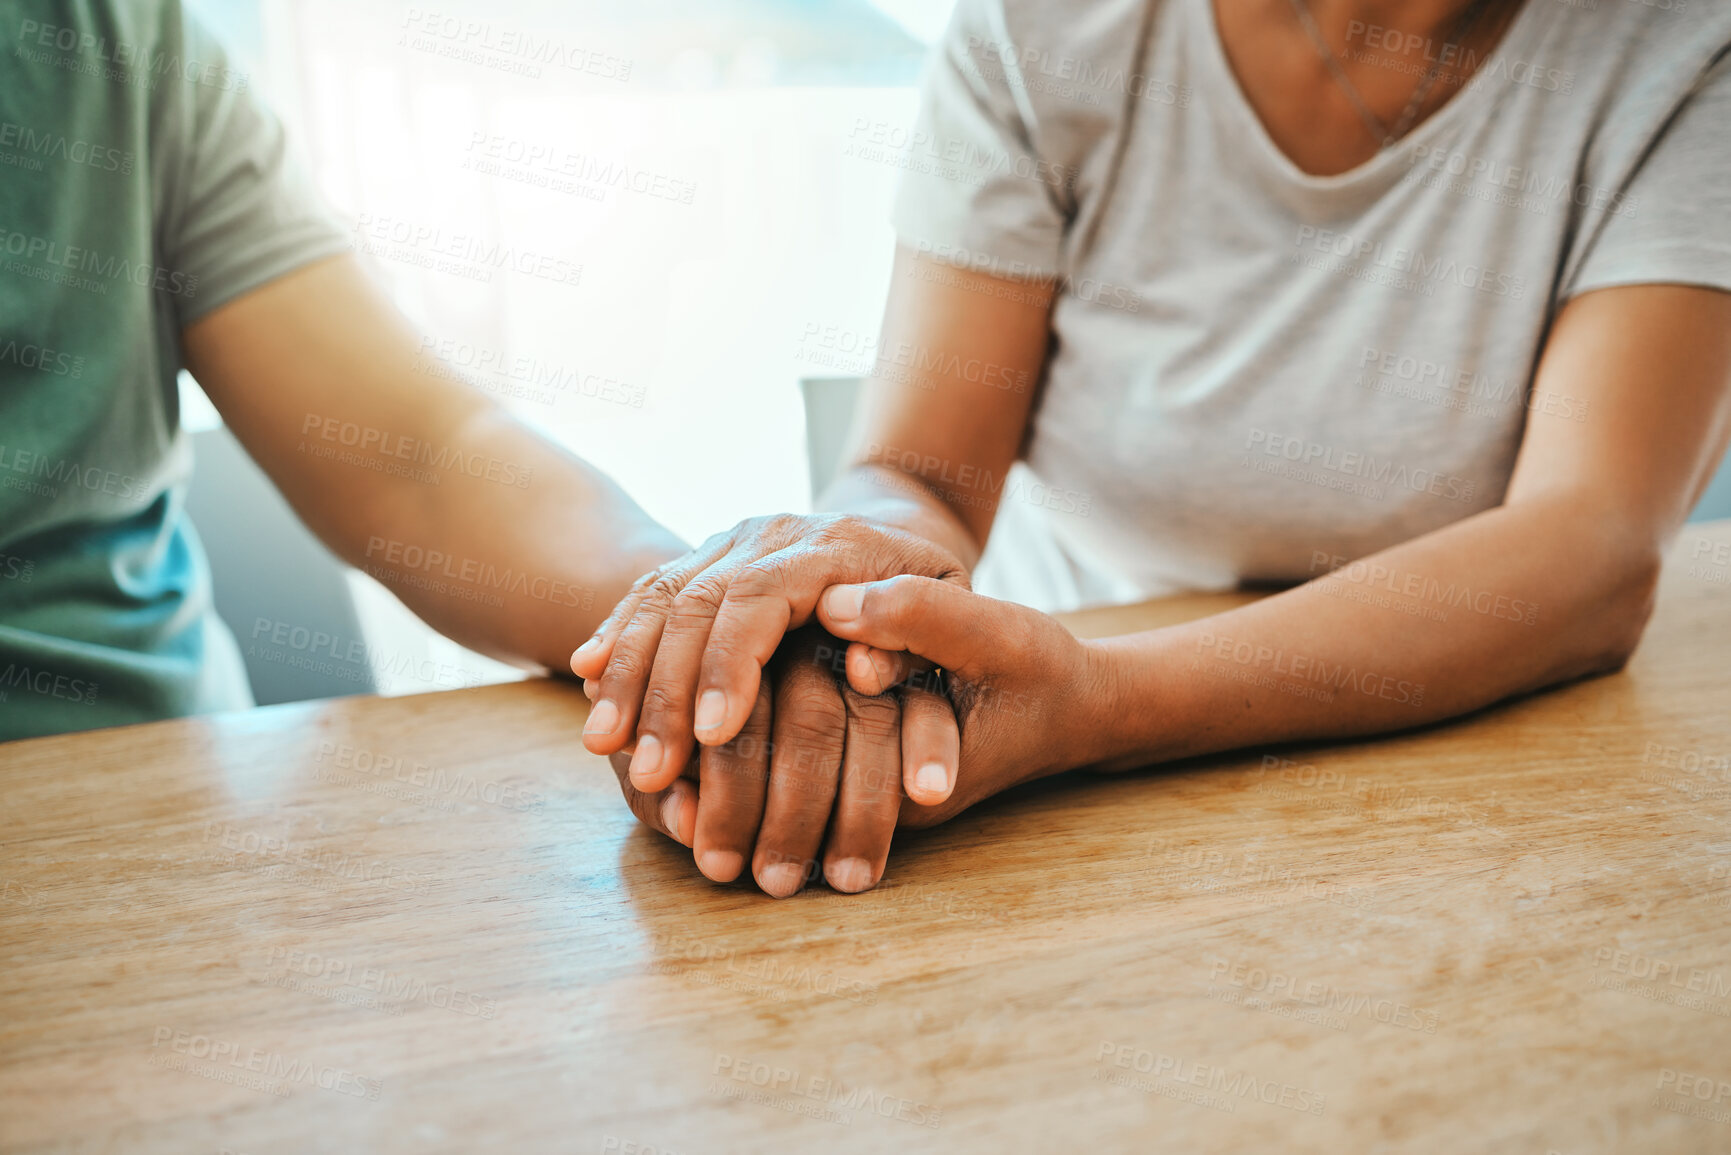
column 1387, row 135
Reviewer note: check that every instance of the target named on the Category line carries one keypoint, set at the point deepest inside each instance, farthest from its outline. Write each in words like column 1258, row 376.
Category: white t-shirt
column 1255, row 368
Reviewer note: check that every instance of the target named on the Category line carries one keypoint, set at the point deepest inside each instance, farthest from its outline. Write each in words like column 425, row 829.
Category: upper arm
column 321, row 378
column 1644, row 340
column 1631, row 410
column 234, row 208
column 949, row 399
column 981, row 234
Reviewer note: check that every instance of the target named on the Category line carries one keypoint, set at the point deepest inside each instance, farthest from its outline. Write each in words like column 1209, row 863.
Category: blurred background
column 759, row 254
column 756, row 255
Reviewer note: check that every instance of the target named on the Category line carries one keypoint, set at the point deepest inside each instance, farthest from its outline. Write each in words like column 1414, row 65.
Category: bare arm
column 1556, row 583
column 947, row 403
column 495, row 536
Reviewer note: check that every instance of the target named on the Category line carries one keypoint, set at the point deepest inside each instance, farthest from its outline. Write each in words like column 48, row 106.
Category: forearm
column 948, row 402
column 1503, row 603
column 491, row 533
column 523, row 565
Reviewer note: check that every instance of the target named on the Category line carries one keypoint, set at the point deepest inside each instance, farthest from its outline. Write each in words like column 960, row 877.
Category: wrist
column 904, row 503
column 1099, row 707
column 1130, row 714
column 1077, row 715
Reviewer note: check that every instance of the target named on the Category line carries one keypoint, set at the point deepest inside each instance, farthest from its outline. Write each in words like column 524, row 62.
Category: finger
column 735, row 778
column 603, row 720
column 590, row 658
column 672, row 811
column 940, row 622
column 779, row 592
column 870, row 794
column 873, row 671
column 931, row 737
column 669, row 709
column 931, row 746
column 809, row 729
column 613, row 718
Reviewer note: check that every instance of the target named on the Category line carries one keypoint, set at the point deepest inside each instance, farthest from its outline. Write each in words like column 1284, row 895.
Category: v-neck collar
column 1518, row 41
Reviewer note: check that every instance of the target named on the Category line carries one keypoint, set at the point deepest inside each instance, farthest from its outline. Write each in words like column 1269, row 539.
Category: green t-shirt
column 141, row 187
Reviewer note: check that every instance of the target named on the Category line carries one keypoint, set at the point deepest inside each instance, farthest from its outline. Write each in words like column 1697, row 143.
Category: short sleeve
column 974, row 191
column 235, row 209
column 1672, row 224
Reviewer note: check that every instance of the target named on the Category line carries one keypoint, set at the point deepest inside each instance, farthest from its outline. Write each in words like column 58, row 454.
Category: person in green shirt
column 151, row 219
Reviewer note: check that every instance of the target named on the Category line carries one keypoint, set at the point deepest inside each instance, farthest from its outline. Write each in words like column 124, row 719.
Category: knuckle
column 722, row 655
column 661, row 699
column 816, row 730
column 784, row 526
column 817, row 707
column 666, row 586
column 724, row 664
column 701, row 599
column 876, row 733
column 627, row 665
column 842, row 528
column 730, row 811
column 877, row 718
column 763, row 578
column 854, row 524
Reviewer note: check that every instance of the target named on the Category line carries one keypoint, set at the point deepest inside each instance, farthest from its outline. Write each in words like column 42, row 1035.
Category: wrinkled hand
column 811, row 744
column 1025, row 690
column 679, row 660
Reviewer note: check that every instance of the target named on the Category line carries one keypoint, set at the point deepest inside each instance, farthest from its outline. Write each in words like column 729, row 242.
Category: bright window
column 678, row 180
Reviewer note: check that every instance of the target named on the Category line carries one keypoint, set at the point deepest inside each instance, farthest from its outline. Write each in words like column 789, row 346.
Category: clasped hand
column 759, row 703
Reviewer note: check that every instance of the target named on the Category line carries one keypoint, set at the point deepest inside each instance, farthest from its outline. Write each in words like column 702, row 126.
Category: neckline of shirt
column 1518, row 40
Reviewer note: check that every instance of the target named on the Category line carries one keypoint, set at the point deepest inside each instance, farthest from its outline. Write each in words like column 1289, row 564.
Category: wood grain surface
column 428, row 924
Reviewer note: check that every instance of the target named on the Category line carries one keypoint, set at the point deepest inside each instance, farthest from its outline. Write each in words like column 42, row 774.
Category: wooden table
column 428, row 924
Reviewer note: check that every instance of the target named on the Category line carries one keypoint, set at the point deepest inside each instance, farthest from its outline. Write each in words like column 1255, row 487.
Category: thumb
column 936, row 620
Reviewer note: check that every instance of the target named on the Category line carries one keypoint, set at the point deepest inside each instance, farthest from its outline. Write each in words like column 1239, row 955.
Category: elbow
column 1617, row 617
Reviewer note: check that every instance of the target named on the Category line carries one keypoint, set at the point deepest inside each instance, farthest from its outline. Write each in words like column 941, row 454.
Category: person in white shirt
column 1418, row 308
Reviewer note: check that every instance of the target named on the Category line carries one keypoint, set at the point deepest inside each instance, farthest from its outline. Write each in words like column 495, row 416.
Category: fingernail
column 781, row 880
column 672, row 813
column 711, row 710
column 647, row 760
column 590, row 689
column 842, row 603
column 885, row 666
column 931, row 778
column 720, row 865
column 849, row 875
column 587, row 648
column 603, row 719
